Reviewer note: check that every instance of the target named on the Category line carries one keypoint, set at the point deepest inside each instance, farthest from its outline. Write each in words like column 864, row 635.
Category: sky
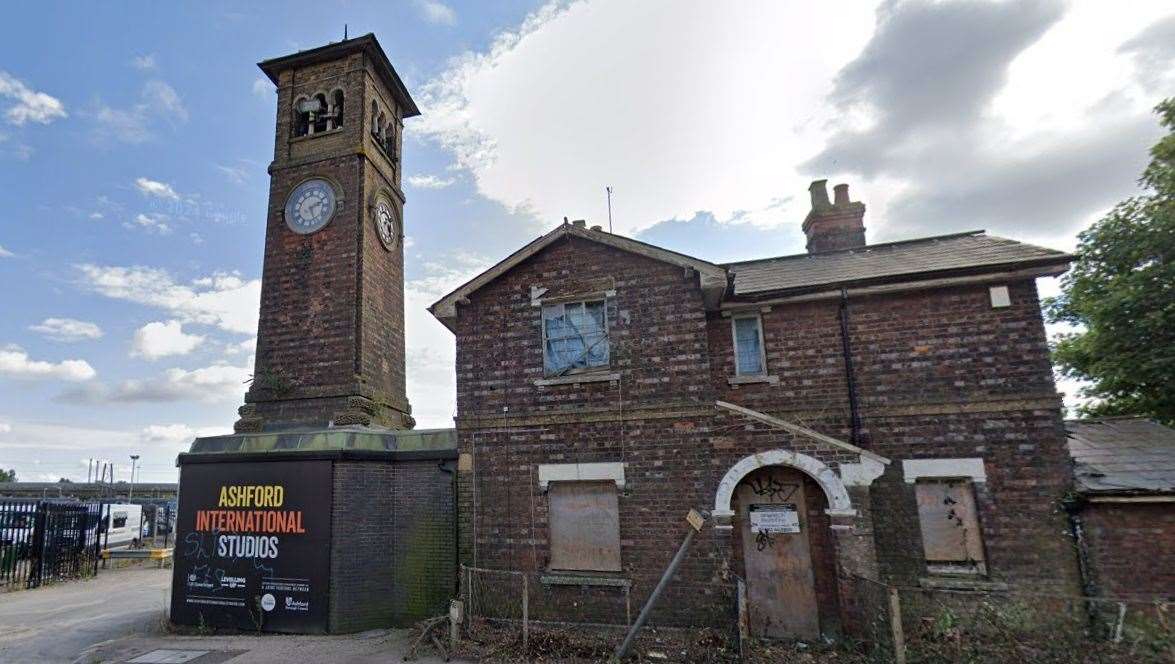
column 134, row 146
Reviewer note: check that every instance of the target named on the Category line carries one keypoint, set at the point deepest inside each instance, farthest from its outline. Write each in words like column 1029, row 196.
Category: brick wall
column 940, row 374
column 332, row 308
column 1131, row 549
column 393, row 549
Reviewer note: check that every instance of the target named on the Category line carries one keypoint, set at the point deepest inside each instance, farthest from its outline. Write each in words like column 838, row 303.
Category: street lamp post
column 131, row 493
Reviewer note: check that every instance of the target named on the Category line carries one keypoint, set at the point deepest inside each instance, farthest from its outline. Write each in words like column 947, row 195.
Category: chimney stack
column 834, row 226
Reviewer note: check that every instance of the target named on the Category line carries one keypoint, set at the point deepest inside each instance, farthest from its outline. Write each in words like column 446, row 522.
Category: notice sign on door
column 775, row 518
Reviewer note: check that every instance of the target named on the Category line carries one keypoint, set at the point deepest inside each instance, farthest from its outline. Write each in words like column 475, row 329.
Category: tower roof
column 366, row 43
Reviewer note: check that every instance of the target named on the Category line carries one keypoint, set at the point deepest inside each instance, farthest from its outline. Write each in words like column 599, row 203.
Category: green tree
column 1120, row 294
column 8, row 475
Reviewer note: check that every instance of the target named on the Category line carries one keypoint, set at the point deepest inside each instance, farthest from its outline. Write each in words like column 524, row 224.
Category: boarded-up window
column 951, row 537
column 585, row 526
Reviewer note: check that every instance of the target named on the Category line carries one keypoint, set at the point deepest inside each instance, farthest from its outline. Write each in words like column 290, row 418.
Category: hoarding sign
column 253, row 546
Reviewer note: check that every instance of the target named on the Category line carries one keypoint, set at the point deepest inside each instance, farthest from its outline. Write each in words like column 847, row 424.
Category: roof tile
column 935, row 254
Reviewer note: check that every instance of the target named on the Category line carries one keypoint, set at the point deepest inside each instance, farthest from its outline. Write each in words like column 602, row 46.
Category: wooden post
column 1121, row 621
column 525, row 614
column 456, row 617
column 744, row 627
column 469, row 590
column 895, row 624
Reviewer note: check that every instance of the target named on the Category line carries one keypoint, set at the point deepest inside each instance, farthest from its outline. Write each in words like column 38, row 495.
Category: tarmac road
column 56, row 623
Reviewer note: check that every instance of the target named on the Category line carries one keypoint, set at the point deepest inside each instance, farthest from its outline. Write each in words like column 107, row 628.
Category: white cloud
column 40, row 436
column 97, row 215
column 152, row 223
column 28, row 105
column 429, row 181
column 218, row 383
column 196, row 238
column 161, row 339
column 40, row 450
column 436, row 12
column 247, row 346
column 181, row 435
column 263, row 88
column 144, row 62
column 691, row 106
column 158, row 102
column 237, row 174
column 431, row 354
column 222, row 299
column 163, row 99
column 4, row 253
column 67, row 329
column 149, row 187
column 15, row 363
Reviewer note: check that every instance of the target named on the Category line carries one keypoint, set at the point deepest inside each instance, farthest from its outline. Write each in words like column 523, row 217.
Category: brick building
column 882, row 411
column 1124, row 489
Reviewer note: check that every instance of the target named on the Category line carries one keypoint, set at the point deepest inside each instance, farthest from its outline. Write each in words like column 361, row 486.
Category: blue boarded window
column 748, row 346
column 575, row 336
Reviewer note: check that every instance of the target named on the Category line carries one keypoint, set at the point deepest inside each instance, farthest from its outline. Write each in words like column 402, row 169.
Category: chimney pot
column 841, row 194
column 579, row 223
column 819, row 191
column 833, row 227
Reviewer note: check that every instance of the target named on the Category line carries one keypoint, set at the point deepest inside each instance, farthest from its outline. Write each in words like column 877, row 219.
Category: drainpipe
column 1073, row 505
column 850, row 376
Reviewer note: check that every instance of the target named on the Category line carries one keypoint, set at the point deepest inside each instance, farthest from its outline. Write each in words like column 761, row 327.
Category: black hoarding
column 253, row 546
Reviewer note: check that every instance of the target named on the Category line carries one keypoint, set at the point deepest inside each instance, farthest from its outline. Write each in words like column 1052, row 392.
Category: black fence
column 43, row 541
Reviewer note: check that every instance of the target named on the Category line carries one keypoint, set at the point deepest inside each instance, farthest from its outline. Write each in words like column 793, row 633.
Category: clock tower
column 330, row 339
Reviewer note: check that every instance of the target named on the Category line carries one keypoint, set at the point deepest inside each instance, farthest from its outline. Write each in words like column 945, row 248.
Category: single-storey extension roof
column 1122, row 455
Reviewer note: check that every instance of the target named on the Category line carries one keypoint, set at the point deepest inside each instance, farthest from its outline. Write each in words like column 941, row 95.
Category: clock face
column 385, row 225
column 310, row 206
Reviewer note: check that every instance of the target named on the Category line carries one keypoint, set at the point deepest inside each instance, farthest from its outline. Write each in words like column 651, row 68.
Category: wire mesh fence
column 916, row 624
column 496, row 604
column 883, row 623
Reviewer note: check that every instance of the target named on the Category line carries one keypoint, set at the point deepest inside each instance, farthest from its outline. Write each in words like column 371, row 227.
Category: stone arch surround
column 839, row 503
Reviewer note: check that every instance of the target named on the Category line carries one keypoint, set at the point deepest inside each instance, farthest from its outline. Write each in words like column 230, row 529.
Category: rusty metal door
column 781, row 588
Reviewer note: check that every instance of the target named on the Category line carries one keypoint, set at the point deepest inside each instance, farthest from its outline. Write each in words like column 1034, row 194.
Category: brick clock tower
column 330, row 340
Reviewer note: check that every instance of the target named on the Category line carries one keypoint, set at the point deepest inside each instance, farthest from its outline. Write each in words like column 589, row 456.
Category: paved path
column 56, row 623
column 121, row 614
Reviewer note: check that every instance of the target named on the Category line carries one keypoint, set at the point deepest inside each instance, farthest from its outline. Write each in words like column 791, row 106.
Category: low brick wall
column 393, row 546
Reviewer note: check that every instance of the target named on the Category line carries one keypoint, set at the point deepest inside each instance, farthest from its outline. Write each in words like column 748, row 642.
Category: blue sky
column 134, row 144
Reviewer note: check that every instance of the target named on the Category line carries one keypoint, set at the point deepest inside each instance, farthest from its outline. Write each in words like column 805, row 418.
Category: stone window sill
column 580, row 580
column 751, row 380
column 961, row 583
column 575, row 379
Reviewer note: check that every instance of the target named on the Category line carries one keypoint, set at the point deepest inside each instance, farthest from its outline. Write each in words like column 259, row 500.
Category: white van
column 122, row 523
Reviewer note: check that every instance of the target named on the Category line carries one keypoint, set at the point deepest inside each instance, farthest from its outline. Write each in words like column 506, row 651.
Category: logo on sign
column 232, row 582
column 297, row 604
column 268, row 602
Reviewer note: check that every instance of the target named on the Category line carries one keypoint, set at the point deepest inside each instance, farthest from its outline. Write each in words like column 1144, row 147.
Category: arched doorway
column 780, row 503
column 782, row 532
